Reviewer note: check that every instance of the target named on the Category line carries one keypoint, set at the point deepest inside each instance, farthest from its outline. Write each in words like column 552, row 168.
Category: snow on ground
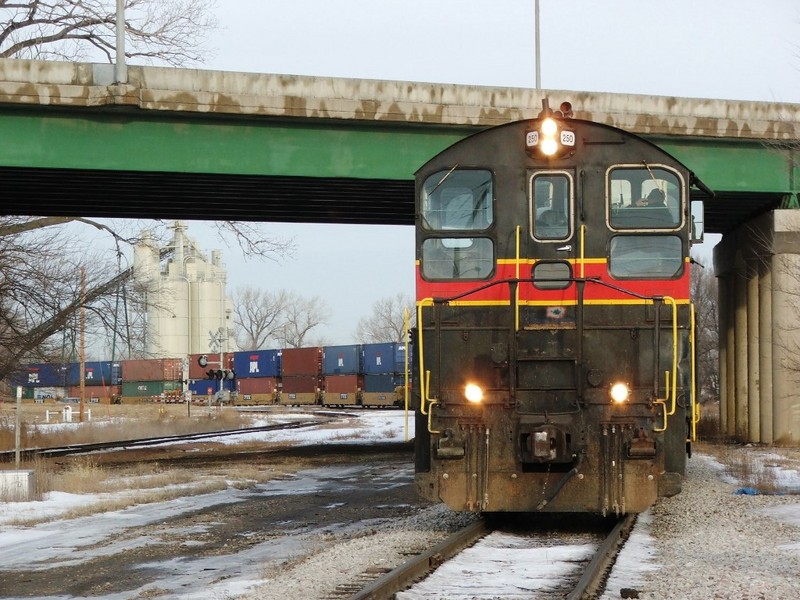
column 71, row 542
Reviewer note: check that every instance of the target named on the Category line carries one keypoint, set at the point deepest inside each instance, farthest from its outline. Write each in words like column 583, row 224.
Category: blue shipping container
column 41, row 374
column 388, row 357
column 257, row 363
column 95, row 373
column 380, row 383
column 199, row 387
column 341, row 360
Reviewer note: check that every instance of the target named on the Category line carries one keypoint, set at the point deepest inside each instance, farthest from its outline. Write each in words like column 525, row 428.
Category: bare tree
column 258, row 316
column 41, row 291
column 386, row 323
column 704, row 295
column 164, row 31
column 301, row 316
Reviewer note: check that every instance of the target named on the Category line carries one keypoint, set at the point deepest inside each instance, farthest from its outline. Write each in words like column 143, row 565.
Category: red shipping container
column 298, row 384
column 301, row 361
column 338, row 384
column 93, row 391
column 198, row 372
column 257, row 385
column 152, row 369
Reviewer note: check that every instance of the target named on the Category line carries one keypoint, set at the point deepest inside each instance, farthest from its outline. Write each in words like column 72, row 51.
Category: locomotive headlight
column 473, row 393
column 549, row 146
column 549, row 128
column 619, row 393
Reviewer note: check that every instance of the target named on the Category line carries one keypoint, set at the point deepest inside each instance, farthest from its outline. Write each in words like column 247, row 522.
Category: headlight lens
column 549, row 127
column 619, row 393
column 473, row 393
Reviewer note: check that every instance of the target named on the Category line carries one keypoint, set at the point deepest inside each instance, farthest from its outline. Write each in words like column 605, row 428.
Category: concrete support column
column 725, row 387
column 765, row 348
column 740, row 350
column 753, row 374
column 786, row 421
column 730, row 342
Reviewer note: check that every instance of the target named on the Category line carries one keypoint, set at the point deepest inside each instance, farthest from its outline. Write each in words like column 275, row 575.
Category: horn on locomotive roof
column 565, row 110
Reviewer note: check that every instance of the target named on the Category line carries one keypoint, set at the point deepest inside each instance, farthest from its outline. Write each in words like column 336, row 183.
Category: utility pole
column 538, row 48
column 120, row 68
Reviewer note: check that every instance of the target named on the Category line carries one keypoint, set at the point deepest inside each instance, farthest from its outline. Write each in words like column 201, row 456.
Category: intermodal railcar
column 554, row 344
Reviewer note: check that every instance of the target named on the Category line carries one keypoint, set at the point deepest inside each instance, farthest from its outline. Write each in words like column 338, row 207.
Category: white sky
column 730, row 49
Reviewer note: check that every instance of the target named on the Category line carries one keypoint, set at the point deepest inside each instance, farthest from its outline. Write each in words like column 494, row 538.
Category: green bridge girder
column 85, row 161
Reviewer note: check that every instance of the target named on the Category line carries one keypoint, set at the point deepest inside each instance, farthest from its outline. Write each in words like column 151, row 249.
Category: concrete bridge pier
column 758, row 266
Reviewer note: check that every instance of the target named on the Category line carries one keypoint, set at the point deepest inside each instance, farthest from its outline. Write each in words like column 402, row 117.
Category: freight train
column 347, row 375
column 554, row 350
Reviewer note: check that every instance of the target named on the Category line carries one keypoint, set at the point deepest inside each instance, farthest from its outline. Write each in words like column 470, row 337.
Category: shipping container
column 95, row 373
column 341, row 389
column 149, row 388
column 301, row 361
column 200, row 387
column 213, row 362
column 40, row 374
column 93, row 393
column 258, row 385
column 257, row 363
column 384, row 358
column 341, row 360
column 151, row 369
column 48, row 393
column 381, row 383
column 300, row 389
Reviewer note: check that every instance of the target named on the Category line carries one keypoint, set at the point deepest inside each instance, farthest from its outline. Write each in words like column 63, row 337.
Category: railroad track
column 29, row 453
column 588, row 584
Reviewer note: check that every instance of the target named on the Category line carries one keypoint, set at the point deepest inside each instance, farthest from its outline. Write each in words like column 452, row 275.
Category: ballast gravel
column 707, row 543
column 710, row 543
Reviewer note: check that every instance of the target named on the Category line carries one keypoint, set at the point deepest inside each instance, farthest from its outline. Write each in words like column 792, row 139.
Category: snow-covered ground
column 646, row 563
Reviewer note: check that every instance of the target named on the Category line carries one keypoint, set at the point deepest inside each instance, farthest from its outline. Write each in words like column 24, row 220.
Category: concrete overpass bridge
column 180, row 143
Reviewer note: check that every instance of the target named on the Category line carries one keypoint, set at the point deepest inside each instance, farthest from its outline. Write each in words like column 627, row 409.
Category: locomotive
column 554, row 365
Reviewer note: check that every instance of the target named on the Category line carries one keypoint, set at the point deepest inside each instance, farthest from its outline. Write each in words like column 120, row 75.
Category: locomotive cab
column 554, row 349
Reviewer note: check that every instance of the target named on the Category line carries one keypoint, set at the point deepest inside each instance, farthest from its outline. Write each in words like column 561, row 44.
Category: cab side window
column 646, row 197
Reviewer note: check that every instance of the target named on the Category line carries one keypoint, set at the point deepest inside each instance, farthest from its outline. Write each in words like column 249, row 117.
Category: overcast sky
column 728, row 49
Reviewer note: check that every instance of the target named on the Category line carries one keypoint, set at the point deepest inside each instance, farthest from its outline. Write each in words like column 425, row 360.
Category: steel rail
column 8, row 455
column 403, row 576
column 592, row 578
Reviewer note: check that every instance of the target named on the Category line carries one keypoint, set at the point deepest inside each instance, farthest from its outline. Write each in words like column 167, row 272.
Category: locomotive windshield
column 458, row 200
column 552, row 198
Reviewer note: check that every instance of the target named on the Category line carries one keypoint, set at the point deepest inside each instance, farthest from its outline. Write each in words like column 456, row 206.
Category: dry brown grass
column 112, row 422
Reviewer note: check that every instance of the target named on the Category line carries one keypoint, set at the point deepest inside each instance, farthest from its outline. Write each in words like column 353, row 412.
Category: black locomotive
column 554, row 348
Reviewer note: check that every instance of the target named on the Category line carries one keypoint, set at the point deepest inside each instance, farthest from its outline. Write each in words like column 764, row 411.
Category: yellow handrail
column 674, row 403
column 424, row 376
column 430, row 414
column 663, row 403
column 516, row 289
column 406, row 329
column 695, row 404
column 583, row 247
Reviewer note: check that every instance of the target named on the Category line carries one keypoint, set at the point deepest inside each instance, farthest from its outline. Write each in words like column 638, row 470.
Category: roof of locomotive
column 476, row 144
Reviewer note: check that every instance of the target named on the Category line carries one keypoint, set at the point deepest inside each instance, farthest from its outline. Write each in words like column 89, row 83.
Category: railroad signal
column 211, row 374
column 203, row 361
